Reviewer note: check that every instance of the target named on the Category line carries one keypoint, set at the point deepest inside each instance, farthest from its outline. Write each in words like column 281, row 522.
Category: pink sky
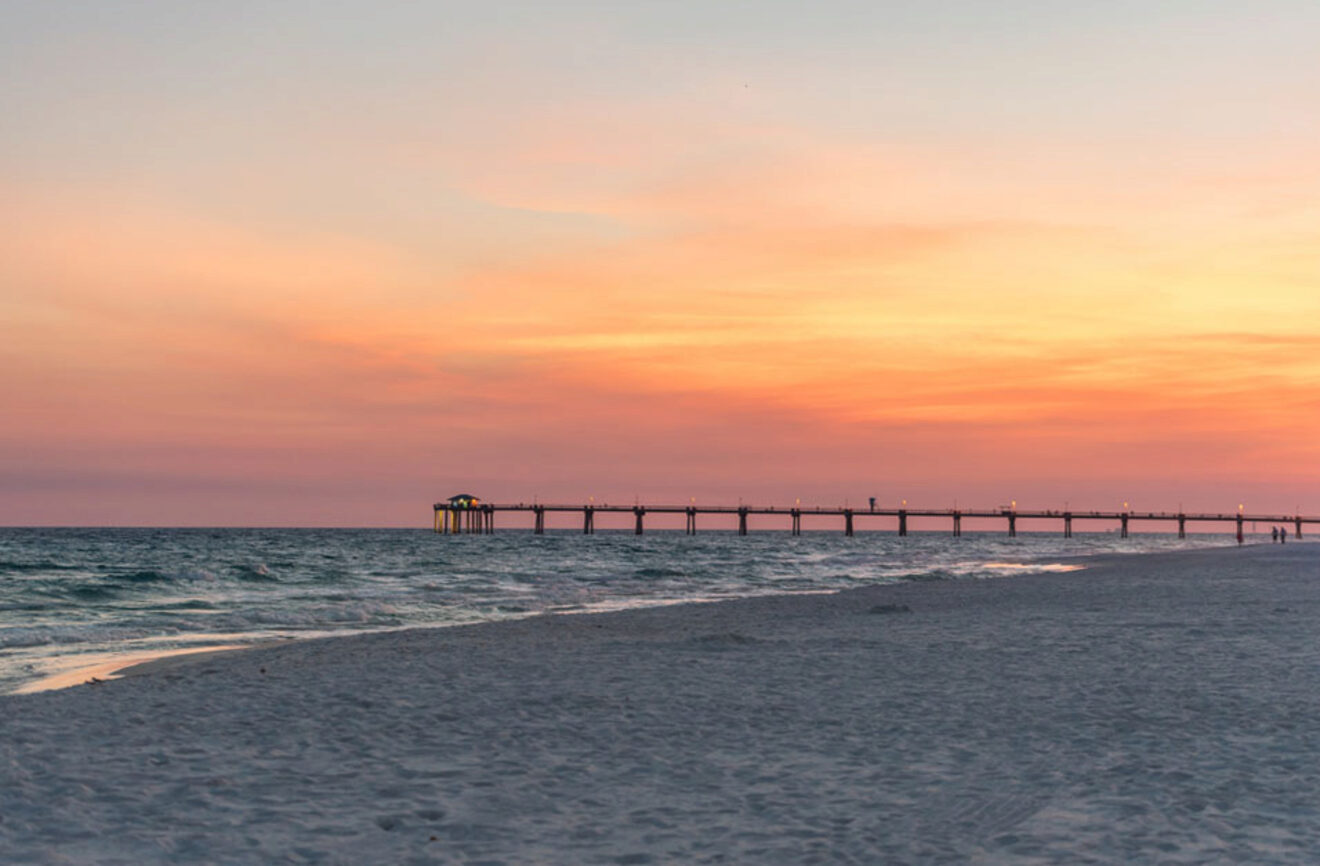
column 290, row 272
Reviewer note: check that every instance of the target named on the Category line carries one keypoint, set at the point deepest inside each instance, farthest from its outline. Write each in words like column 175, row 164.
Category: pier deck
column 480, row 517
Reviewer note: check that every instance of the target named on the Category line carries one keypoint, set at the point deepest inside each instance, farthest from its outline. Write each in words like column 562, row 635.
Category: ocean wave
column 146, row 576
column 21, row 567
column 303, row 616
column 1007, row 568
column 155, row 575
column 36, row 636
column 258, row 573
column 91, row 591
column 926, row 574
column 982, row 569
column 659, row 572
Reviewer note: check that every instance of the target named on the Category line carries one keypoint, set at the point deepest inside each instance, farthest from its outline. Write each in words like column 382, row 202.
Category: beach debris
column 94, row 681
column 891, row 608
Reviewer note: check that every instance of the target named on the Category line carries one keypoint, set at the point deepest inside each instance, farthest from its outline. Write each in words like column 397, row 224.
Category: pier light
column 1013, row 504
column 1240, row 507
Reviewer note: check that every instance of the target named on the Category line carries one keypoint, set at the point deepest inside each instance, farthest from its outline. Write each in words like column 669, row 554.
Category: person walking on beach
column 1274, row 534
column 1283, row 535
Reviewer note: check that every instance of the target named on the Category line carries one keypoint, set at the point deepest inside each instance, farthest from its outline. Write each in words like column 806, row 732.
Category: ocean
column 70, row 598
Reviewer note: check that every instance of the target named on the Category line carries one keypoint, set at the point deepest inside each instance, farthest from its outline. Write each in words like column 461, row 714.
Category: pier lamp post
column 1241, row 514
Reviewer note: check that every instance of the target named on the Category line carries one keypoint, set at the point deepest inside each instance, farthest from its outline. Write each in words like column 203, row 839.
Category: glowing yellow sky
column 295, row 271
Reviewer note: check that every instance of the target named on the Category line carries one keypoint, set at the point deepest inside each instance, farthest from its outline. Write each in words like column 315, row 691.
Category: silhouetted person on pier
column 1274, row 534
column 873, row 503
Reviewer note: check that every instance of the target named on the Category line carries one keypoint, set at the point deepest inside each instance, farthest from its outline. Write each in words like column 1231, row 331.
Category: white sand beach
column 1150, row 709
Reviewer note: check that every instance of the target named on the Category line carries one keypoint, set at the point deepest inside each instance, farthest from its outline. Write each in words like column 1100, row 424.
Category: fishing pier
column 467, row 514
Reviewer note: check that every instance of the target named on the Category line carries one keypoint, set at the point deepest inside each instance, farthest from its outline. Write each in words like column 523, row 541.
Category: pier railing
column 480, row 518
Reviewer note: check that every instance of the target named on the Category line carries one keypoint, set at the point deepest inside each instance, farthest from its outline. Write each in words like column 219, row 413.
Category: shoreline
column 74, row 670
column 1148, row 708
column 113, row 666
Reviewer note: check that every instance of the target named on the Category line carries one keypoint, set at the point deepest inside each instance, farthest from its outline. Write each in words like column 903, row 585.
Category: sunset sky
column 293, row 263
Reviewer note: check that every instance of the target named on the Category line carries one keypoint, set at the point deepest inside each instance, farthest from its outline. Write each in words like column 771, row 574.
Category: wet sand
column 1160, row 708
column 110, row 667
